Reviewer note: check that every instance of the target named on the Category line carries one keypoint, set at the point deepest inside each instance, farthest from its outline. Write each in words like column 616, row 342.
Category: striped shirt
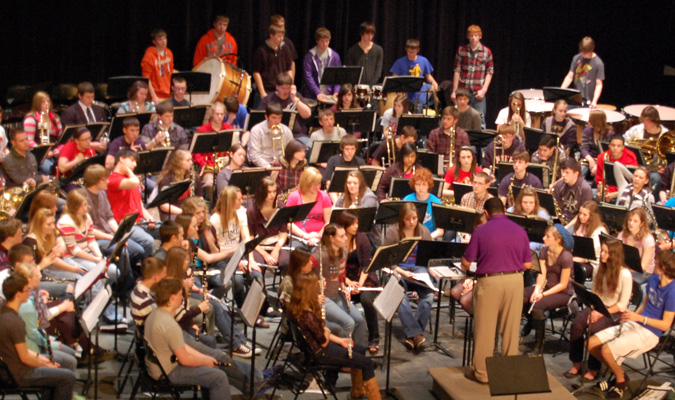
column 76, row 239
column 142, row 303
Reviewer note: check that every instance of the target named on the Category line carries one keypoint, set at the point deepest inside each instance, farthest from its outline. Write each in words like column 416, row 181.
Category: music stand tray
column 290, row 214
column 248, row 180
column 322, row 150
column 152, row 161
column 197, row 82
column 554, row 93
column 212, row 142
column 665, row 217
column 388, row 211
column 454, row 218
column 356, row 120
column 535, row 227
column 40, row 152
column 22, row 210
column 118, row 86
column 171, row 193
column 257, row 116
column 538, row 170
column 609, row 172
column 388, row 255
column 545, row 199
column 400, row 188
column 366, row 216
column 613, row 215
column 431, row 249
column 341, row 75
column 514, row 375
column 532, row 138
column 188, row 117
column 78, row 171
column 631, row 254
column 123, row 228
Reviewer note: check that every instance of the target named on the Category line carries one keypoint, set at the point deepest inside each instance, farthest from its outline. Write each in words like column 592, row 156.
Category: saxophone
column 282, row 198
column 556, row 159
column 556, row 207
column 509, row 196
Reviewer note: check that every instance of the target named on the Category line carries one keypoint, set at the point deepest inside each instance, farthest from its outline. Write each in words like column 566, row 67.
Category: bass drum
column 226, row 81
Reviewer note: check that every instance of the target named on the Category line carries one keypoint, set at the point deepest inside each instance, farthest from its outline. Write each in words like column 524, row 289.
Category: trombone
column 391, row 147
column 498, row 145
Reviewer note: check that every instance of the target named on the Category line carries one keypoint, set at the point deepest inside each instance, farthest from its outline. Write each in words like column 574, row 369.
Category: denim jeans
column 213, row 379
column 414, row 324
column 480, row 106
column 60, row 382
column 143, row 238
column 345, row 320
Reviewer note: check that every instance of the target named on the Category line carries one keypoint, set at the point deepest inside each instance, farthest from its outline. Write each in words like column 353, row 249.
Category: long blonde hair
column 38, row 98
column 226, row 208
column 45, row 242
column 174, row 167
column 74, row 201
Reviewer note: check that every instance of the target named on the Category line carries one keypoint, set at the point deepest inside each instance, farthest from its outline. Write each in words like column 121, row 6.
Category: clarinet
column 349, row 348
column 205, row 285
column 323, row 307
column 49, row 341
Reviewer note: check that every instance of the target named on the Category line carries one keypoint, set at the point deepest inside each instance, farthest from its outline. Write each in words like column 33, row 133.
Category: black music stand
column 289, row 215
column 532, row 138
column 170, row 194
column 407, row 84
column 514, row 375
column 593, row 302
column 23, row 208
column 322, row 150
column 214, row 143
column 257, row 116
column 339, row 179
column 554, row 93
column 341, row 75
column 40, row 152
column 604, row 145
column 432, row 161
column 453, row 218
column 248, row 180
column 545, row 199
column 90, row 321
column 670, row 157
column 388, row 211
column 123, row 228
column 665, row 218
column 372, row 174
column 151, row 162
column 584, row 247
column 400, row 188
column 199, row 82
column 366, row 216
column 631, row 254
column 538, row 170
column 610, row 178
column 613, row 215
column 534, row 227
column 78, row 171
column 118, row 86
column 249, row 314
column 116, row 125
column 480, row 139
column 189, row 117
column 422, row 124
column 356, row 120
column 120, row 253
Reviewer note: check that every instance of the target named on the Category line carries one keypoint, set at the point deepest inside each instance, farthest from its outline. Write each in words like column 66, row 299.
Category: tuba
column 276, row 134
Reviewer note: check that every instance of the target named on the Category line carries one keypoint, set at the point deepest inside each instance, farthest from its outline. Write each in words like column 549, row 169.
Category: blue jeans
column 344, row 320
column 59, row 381
column 212, row 379
column 224, row 322
column 480, row 106
column 414, row 324
column 238, row 372
column 240, row 283
column 143, row 238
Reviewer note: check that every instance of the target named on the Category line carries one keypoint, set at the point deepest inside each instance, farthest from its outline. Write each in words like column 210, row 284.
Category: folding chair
column 8, row 384
column 666, row 344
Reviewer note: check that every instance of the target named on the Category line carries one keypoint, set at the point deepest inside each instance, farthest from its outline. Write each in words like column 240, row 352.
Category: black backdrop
column 532, row 41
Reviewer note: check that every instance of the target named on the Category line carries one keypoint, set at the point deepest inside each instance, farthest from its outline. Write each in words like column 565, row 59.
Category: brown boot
column 358, row 390
column 372, row 390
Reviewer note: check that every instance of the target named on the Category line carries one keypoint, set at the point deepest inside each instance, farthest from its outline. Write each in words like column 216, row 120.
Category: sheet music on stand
column 445, row 269
column 253, row 303
column 387, row 302
column 231, row 266
column 91, row 314
column 89, row 279
column 322, row 150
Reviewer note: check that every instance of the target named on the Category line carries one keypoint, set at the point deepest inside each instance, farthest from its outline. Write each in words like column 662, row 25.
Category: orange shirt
column 158, row 68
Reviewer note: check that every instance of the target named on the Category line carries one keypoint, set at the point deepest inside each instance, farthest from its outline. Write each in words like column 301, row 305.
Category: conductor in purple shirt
column 501, row 250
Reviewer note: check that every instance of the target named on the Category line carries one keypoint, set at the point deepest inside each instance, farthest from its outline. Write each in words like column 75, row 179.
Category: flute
column 323, row 306
column 535, row 302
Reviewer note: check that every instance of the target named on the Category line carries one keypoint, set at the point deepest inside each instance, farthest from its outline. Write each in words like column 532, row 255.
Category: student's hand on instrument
column 348, row 294
column 536, row 295
column 467, row 285
column 629, row 315
column 30, row 182
column 99, row 147
column 322, row 299
column 345, row 342
column 312, row 241
column 204, row 306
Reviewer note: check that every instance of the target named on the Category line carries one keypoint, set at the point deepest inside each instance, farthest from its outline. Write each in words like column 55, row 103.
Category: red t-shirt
column 627, row 158
column 123, row 202
column 201, row 158
column 69, row 152
column 463, row 176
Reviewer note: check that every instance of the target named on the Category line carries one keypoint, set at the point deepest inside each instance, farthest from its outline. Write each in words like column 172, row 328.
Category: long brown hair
column 644, row 224
column 345, row 220
column 263, row 190
column 298, row 259
column 305, row 297
column 406, row 211
column 597, row 119
column 74, row 201
column 594, row 218
column 362, row 187
column 517, row 96
column 607, row 277
column 44, row 199
column 174, row 167
column 45, row 242
column 346, row 88
column 526, row 191
column 190, row 206
column 458, row 168
column 328, row 231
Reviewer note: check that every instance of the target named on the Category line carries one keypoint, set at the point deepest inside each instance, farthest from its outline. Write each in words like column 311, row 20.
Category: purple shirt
column 500, row 245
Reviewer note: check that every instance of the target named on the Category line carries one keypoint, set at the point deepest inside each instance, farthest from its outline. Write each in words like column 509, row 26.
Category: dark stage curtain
column 532, row 41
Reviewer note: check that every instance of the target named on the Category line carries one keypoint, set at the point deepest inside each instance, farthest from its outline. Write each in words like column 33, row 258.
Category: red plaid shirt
column 473, row 66
column 439, row 142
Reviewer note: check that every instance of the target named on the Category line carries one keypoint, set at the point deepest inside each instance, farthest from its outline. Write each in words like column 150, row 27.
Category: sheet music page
column 448, row 272
column 387, row 302
column 89, row 278
column 425, row 278
column 472, row 267
column 93, row 311
column 233, row 263
column 254, row 301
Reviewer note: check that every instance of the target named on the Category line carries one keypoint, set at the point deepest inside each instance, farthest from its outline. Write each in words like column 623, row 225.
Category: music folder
column 118, row 120
column 212, row 142
column 538, row 170
column 199, row 82
column 631, row 254
column 591, row 300
column 248, row 180
column 554, row 93
column 432, row 161
column 665, row 217
column 388, row 211
column 423, row 124
column 78, row 171
column 40, row 152
column 123, row 228
column 532, row 138
column 366, row 216
column 609, row 173
column 535, row 227
column 356, row 120
column 454, row 218
column 461, row 189
column 90, row 316
column 95, row 128
column 400, row 187
column 243, row 248
column 387, row 302
column 89, row 279
column 584, row 247
column 406, row 84
column 322, row 150
column 118, row 86
column 339, row 178
column 252, row 304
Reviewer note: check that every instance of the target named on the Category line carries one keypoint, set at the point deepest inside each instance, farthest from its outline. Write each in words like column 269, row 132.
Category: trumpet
column 43, row 128
column 497, row 144
column 277, row 143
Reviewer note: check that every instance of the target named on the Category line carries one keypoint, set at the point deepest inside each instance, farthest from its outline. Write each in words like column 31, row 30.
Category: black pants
column 577, row 337
column 334, row 354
